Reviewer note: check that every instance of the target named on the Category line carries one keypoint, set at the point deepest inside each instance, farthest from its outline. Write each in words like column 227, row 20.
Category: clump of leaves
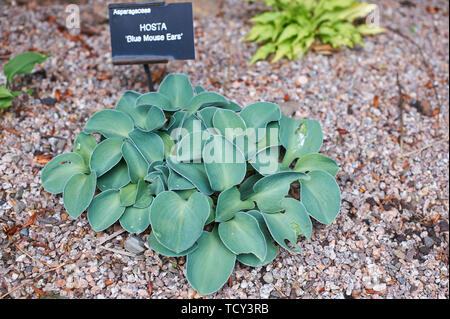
column 210, row 178
column 20, row 64
column 293, row 26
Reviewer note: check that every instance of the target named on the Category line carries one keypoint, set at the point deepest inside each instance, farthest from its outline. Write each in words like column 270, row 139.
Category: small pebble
column 134, row 245
column 268, row 277
column 428, row 241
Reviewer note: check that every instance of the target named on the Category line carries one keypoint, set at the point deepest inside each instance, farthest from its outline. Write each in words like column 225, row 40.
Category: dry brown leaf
column 43, row 158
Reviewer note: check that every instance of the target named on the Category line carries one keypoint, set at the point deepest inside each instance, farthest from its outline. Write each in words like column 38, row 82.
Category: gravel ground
column 391, row 237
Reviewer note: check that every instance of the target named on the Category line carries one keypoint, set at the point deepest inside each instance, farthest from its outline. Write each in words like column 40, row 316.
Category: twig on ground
column 26, row 253
column 40, row 275
column 425, row 147
column 424, row 61
column 400, row 106
column 113, row 235
column 230, row 62
column 279, row 290
column 10, row 130
column 118, row 251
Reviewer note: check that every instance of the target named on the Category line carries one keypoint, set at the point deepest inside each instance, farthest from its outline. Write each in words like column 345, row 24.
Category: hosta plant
column 20, row 64
column 215, row 182
column 292, row 26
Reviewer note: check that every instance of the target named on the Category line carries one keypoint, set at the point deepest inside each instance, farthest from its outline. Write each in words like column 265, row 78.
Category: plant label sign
column 149, row 32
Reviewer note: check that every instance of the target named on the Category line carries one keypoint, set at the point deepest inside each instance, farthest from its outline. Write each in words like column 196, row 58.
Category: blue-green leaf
column 78, row 193
column 224, row 163
column 290, row 224
column 193, row 172
column 135, row 220
column 137, row 165
column 321, row 196
column 178, row 89
column 105, row 210
column 270, row 190
column 210, row 265
column 155, row 119
column 150, row 145
column 299, row 138
column 60, row 169
column 242, row 235
column 178, row 223
column 115, row 178
column 160, row 249
column 106, row 155
column 110, row 123
column 156, row 99
column 84, row 145
column 229, row 203
column 313, row 162
column 272, row 250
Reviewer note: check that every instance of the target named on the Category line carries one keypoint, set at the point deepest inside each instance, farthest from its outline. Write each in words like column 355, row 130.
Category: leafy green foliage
column 212, row 180
column 20, row 64
column 293, row 26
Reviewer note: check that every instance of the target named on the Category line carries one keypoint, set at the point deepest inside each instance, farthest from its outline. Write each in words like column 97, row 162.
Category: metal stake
column 149, row 78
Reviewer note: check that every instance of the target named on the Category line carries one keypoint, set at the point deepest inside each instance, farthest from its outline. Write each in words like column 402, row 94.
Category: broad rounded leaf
column 270, row 190
column 299, row 138
column 60, row 169
column 210, row 265
column 106, row 155
column 190, row 147
column 127, row 104
column 105, row 210
column 266, row 161
column 149, row 144
column 242, row 235
column 178, row 223
column 84, row 145
column 321, row 196
column 128, row 195
column 206, row 115
column 115, row 178
column 178, row 89
column 143, row 196
column 272, row 250
column 313, row 162
column 205, row 99
column 178, row 182
column 78, row 193
column 259, row 114
column 290, row 224
column 246, row 188
column 229, row 123
column 156, row 99
column 229, row 203
column 169, row 144
column 110, row 123
column 224, row 163
column 193, row 172
column 155, row 119
column 135, row 220
column 160, row 249
column 137, row 165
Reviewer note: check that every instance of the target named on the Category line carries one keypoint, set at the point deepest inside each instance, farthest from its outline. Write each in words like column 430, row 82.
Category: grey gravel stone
column 134, row 245
column 20, row 206
column 428, row 241
column 268, row 277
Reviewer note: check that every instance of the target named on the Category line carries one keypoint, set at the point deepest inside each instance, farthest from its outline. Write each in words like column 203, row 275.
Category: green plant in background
column 294, row 25
column 20, row 64
column 147, row 170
